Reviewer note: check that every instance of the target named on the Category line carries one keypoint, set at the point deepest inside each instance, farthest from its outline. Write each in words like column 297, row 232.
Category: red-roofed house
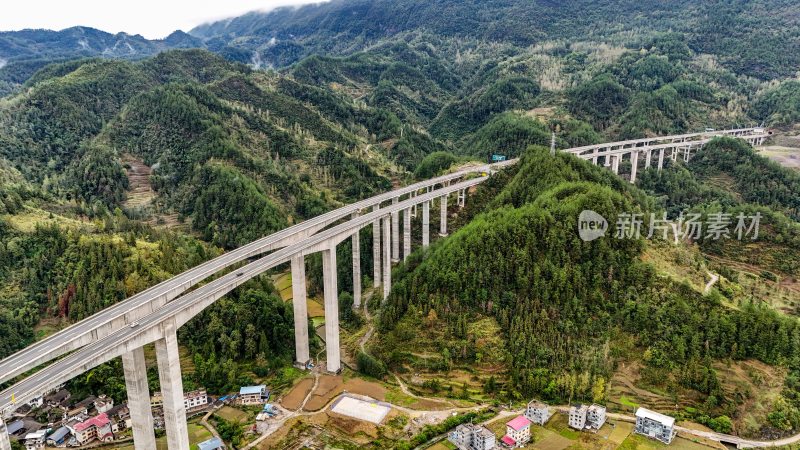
column 98, row 427
column 518, row 432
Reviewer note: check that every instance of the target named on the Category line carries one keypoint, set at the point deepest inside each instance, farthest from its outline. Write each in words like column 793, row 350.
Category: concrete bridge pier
column 660, row 159
column 648, row 158
column 376, row 250
column 356, row 266
column 331, row 309
column 634, row 165
column 426, row 224
column 395, row 233
column 169, row 374
column 462, row 198
column 406, row 233
column 5, row 440
column 443, row 219
column 139, row 399
column 387, row 263
column 615, row 163
column 300, row 305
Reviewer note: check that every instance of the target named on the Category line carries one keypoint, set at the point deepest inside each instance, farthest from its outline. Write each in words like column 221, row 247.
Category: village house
column 577, row 416
column 35, row 440
column 98, row 427
column 16, row 428
column 59, row 438
column 583, row 417
column 538, row 412
column 120, row 417
column 81, row 408
column 36, row 402
column 103, row 403
column 214, row 443
column 655, row 425
column 253, row 395
column 193, row 399
column 518, row 432
column 472, row 437
column 57, row 399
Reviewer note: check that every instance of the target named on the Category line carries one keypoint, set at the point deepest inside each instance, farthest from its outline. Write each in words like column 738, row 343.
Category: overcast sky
column 153, row 19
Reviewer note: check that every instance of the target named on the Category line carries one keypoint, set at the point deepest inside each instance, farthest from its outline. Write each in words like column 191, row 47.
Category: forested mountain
column 24, row 52
column 287, row 35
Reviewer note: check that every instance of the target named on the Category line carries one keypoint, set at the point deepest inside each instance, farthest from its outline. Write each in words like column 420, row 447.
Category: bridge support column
column 5, row 440
column 443, row 219
column 356, row 267
column 648, row 158
column 634, row 165
column 300, row 305
column 406, row 233
column 426, row 224
column 376, row 250
column 333, row 363
column 660, row 159
column 138, row 399
column 169, row 374
column 395, row 233
column 387, row 263
column 615, row 163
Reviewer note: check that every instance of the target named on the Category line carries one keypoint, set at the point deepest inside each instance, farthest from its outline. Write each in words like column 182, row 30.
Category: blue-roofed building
column 211, row 444
column 58, row 438
column 253, row 395
column 15, row 427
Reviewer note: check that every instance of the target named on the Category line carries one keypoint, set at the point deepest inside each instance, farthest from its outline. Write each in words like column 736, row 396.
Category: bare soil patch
column 295, row 397
column 140, row 191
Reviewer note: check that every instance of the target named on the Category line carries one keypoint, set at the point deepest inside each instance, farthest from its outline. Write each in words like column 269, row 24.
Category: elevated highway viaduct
column 154, row 315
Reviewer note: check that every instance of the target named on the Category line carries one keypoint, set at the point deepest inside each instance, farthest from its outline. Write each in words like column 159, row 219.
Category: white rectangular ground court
column 370, row 411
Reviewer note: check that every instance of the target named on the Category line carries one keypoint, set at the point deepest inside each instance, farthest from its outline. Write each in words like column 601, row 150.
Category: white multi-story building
column 253, row 395
column 538, row 412
column 595, row 417
column 577, row 416
column 472, row 437
column 655, row 425
column 584, row 417
column 103, row 403
column 193, row 399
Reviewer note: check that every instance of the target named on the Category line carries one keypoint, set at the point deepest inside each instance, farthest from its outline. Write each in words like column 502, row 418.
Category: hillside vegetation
column 567, row 307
